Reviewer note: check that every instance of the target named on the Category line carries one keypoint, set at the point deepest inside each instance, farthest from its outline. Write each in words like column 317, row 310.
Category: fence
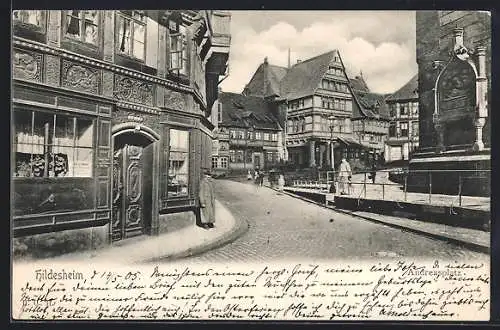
column 425, row 186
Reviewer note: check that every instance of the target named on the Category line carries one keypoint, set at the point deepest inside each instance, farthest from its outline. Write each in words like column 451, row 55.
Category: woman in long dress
column 281, row 182
column 344, row 174
column 207, row 202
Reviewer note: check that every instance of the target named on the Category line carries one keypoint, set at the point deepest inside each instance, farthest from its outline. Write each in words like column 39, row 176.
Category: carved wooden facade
column 93, row 125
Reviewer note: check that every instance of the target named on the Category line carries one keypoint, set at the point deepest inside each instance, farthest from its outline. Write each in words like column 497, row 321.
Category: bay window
column 52, row 145
column 178, row 170
column 178, row 51
column 131, row 26
column 82, row 25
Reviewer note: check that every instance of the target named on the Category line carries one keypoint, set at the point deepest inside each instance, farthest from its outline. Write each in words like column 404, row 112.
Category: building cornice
column 33, row 45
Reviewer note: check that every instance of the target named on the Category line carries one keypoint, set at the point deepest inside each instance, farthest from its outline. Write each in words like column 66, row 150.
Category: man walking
column 344, row 175
column 207, row 201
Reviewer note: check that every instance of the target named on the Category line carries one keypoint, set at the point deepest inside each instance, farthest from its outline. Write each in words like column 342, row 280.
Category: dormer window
column 132, row 33
column 82, row 25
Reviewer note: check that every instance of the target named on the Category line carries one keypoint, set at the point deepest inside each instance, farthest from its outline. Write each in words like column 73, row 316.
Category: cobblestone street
column 283, row 227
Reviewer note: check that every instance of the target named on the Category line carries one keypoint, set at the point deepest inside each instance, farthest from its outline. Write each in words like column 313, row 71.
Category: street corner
column 227, row 229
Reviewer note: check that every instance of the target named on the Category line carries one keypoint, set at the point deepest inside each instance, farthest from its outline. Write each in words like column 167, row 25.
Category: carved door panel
column 128, row 208
column 116, row 220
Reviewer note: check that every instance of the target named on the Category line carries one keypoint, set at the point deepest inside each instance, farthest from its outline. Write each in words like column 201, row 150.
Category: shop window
column 132, row 33
column 35, row 18
column 178, row 171
column 52, row 145
column 82, row 25
column 178, row 51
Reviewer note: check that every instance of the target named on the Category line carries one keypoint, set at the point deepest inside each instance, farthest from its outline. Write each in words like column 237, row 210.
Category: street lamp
column 332, row 156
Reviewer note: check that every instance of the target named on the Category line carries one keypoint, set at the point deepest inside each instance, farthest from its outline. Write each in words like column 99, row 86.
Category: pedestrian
column 207, row 201
column 281, row 182
column 261, row 178
column 373, row 172
column 344, row 176
column 249, row 175
column 257, row 175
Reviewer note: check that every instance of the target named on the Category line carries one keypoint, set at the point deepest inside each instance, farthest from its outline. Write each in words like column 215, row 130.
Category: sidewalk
column 180, row 243
column 472, row 239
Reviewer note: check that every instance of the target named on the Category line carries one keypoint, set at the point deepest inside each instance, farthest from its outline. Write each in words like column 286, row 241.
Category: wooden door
column 128, row 201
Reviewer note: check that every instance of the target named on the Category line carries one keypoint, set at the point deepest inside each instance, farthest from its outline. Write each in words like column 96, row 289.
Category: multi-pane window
column 403, row 109
column 266, row 137
column 223, row 162
column 131, row 33
column 52, row 145
column 333, row 85
column 274, row 137
column 239, row 156
column 232, row 134
column 240, row 134
column 333, row 103
column 393, row 110
column 178, row 171
column 404, row 129
column 249, row 135
column 414, row 108
column 214, row 162
column 248, row 154
column 414, row 128
column 335, row 71
column 82, row 25
column 33, row 17
column 297, row 104
column 392, row 130
column 258, row 136
column 178, row 51
column 232, row 156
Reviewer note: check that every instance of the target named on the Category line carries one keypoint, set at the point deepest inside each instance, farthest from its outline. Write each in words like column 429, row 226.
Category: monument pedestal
column 452, row 172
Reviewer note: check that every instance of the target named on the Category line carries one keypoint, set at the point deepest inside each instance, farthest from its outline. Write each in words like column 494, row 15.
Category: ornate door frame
column 133, row 165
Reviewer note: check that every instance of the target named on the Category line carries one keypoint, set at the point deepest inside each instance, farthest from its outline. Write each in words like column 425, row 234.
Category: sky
column 380, row 44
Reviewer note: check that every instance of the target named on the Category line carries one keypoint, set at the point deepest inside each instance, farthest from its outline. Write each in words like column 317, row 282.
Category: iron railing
column 392, row 184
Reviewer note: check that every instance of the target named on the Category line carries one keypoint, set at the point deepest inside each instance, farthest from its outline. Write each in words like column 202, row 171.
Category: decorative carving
column 133, row 90
column 124, row 116
column 52, row 70
column 107, row 83
column 174, row 100
column 457, row 88
column 80, row 77
column 27, row 65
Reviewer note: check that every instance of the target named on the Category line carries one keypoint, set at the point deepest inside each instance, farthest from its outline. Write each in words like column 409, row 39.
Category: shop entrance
column 132, row 185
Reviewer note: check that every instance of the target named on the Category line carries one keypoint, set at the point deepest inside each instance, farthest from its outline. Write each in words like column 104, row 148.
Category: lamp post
column 332, row 155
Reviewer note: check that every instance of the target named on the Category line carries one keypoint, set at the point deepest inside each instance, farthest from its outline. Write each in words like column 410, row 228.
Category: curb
column 240, row 228
column 469, row 245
